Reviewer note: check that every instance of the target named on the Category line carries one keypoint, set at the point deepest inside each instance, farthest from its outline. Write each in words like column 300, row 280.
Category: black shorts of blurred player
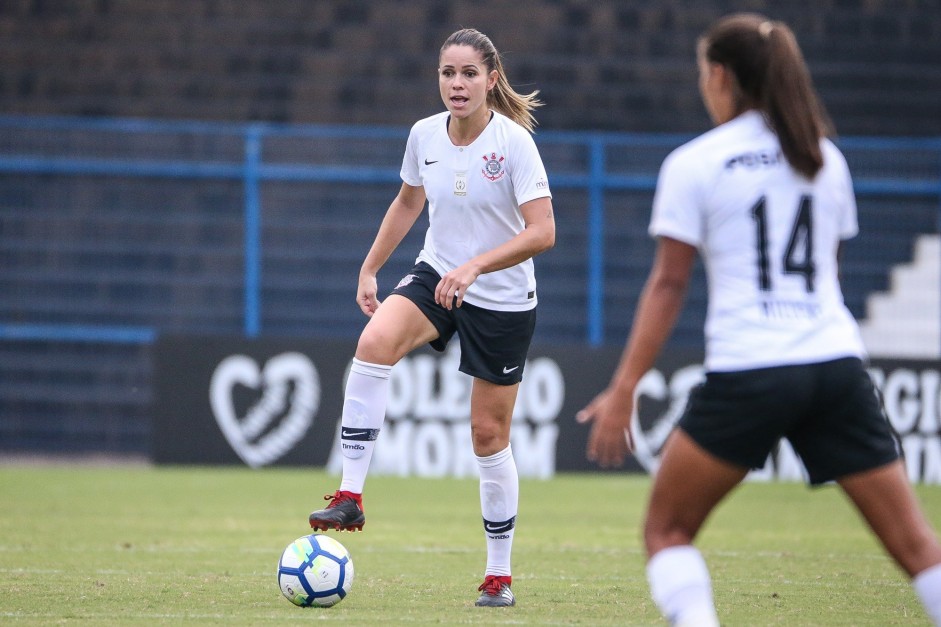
column 494, row 344
column 828, row 411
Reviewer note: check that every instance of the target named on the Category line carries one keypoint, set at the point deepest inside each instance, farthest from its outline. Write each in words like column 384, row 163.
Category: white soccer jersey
column 474, row 195
column 768, row 238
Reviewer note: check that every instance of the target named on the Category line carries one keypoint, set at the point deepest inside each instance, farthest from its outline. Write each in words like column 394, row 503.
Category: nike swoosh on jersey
column 430, row 162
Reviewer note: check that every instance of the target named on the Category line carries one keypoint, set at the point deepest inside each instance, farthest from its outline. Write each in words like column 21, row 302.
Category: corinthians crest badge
column 493, row 167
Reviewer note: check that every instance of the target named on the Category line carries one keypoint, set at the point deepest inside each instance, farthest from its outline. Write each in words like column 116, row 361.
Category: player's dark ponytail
column 502, row 98
column 768, row 64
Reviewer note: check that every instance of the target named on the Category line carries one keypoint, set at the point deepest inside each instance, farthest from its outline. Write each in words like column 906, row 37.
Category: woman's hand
column 610, row 439
column 366, row 294
column 453, row 285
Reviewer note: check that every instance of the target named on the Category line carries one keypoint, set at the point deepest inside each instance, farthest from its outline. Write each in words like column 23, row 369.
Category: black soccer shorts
column 494, row 344
column 829, row 411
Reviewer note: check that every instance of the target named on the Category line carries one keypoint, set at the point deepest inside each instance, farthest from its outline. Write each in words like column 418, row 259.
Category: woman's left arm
column 538, row 235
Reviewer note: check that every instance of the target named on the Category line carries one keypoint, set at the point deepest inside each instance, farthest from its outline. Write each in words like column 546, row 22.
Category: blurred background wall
column 623, row 66
column 213, row 167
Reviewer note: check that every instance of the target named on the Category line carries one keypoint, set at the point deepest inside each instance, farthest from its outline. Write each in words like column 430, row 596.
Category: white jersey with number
column 768, row 237
column 474, row 195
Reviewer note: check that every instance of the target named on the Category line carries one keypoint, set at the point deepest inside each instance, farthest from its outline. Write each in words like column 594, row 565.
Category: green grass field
column 139, row 545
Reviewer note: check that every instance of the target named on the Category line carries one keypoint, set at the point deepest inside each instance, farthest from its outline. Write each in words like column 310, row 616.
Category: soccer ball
column 315, row 570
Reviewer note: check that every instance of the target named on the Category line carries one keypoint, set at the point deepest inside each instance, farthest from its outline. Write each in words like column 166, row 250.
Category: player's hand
column 453, row 285
column 610, row 439
column 366, row 294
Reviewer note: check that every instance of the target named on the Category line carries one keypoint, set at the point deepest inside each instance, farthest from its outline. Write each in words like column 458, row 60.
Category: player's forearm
column 533, row 240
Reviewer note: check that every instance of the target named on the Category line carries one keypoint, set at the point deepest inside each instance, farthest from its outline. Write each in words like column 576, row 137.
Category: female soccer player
column 766, row 199
column 490, row 212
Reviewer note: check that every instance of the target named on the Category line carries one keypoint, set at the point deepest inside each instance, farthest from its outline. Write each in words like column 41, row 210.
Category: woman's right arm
column 399, row 219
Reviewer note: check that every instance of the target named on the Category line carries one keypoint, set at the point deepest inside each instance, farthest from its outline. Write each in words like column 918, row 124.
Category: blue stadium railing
column 595, row 165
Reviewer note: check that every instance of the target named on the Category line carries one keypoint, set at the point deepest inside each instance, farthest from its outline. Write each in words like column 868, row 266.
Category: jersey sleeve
column 849, row 221
column 529, row 173
column 676, row 203
column 409, row 172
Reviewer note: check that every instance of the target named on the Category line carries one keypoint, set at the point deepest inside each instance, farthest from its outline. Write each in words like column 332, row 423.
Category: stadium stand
column 96, row 260
column 903, row 321
column 622, row 66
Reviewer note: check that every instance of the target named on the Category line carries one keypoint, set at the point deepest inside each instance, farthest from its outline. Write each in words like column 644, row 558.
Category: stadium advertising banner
column 278, row 402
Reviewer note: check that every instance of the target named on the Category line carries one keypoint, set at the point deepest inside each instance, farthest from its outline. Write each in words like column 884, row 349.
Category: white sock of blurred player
column 927, row 584
column 681, row 587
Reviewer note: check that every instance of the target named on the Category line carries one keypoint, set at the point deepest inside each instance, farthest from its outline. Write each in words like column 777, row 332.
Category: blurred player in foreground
column 766, row 199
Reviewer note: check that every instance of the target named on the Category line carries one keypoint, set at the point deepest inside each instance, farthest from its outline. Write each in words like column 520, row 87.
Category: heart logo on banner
column 253, row 436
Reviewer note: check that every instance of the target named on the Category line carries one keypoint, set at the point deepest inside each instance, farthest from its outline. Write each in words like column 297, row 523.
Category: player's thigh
column 395, row 329
column 688, row 485
column 887, row 501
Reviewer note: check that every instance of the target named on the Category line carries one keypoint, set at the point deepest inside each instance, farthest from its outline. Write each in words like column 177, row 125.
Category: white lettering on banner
column 290, row 392
column 782, row 465
column 542, row 392
column 912, row 400
column 900, row 393
column 427, row 428
column 648, row 440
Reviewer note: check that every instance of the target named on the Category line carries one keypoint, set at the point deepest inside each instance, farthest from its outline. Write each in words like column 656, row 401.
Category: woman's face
column 464, row 81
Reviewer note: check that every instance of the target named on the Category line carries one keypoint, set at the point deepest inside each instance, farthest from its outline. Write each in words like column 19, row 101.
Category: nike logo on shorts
column 509, row 370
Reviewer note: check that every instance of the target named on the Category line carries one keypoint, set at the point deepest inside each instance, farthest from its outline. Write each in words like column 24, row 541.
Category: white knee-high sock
column 364, row 410
column 499, row 502
column 927, row 584
column 680, row 586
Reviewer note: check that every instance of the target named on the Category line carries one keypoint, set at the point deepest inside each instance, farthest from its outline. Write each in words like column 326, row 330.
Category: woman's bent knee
column 660, row 534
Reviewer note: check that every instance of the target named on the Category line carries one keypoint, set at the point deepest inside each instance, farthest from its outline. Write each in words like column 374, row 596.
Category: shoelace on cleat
column 337, row 498
column 492, row 585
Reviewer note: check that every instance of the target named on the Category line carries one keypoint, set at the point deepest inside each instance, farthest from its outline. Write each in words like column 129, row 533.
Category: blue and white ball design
column 315, row 570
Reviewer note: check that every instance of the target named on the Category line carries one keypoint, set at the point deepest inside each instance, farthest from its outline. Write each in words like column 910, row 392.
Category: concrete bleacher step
column 905, row 321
